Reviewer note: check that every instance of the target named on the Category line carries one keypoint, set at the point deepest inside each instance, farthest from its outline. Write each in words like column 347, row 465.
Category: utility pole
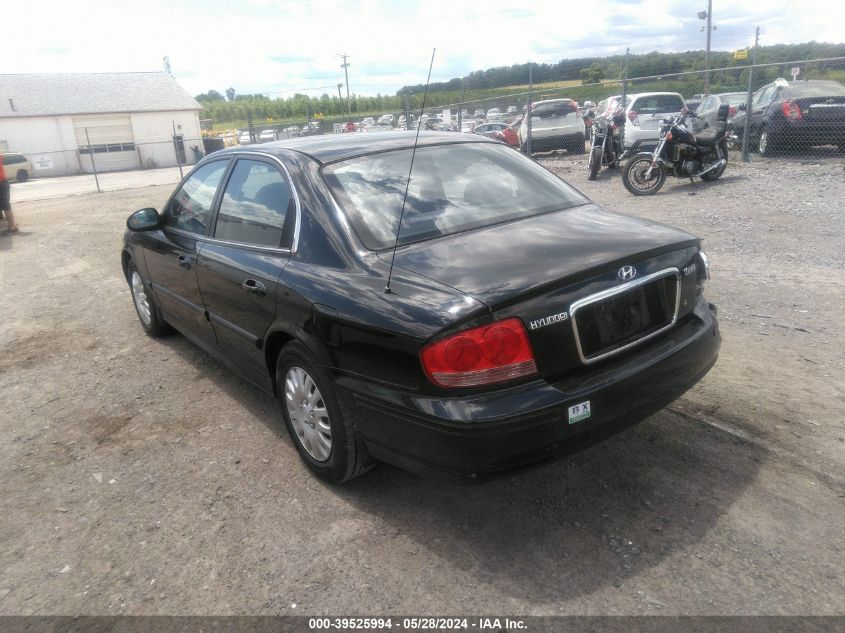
column 624, row 97
column 528, row 109
column 747, row 130
column 708, row 15
column 345, row 66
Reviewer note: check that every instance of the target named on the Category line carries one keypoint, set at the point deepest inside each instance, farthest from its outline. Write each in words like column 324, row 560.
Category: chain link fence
column 790, row 110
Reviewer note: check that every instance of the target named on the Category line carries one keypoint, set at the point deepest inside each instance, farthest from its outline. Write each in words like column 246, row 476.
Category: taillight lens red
column 791, row 110
column 731, row 110
column 633, row 117
column 484, row 355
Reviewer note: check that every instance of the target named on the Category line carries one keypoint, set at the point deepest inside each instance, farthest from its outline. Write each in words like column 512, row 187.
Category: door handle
column 251, row 285
column 185, row 261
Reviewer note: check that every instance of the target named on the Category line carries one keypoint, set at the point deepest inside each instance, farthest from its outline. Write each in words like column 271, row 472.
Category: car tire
column 148, row 313
column 765, row 143
column 22, row 175
column 595, row 162
column 317, row 421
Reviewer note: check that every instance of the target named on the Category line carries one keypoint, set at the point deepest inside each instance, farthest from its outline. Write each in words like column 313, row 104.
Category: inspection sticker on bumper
column 578, row 412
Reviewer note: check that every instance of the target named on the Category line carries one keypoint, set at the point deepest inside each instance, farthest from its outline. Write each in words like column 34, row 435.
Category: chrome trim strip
column 616, row 290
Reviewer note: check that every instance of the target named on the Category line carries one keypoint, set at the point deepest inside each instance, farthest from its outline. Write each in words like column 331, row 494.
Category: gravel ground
column 139, row 476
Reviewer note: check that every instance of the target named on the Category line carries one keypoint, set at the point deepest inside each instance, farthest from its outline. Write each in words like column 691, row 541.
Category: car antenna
column 387, row 290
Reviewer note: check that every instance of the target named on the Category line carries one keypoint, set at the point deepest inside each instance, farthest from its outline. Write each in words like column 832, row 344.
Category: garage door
column 112, row 143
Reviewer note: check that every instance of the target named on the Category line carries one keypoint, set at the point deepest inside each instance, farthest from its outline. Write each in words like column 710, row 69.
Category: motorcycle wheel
column 633, row 176
column 595, row 162
column 716, row 173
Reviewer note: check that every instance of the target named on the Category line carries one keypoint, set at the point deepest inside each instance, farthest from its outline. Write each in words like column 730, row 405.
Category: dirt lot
column 138, row 476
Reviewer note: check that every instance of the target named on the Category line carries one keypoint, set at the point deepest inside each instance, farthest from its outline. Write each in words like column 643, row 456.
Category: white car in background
column 17, row 166
column 494, row 114
column 267, row 136
column 555, row 124
column 643, row 113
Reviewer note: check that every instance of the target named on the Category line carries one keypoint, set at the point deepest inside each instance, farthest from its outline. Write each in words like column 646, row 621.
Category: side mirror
column 144, row 220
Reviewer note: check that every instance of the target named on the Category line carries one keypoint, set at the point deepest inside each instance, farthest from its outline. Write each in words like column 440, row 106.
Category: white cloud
column 278, row 45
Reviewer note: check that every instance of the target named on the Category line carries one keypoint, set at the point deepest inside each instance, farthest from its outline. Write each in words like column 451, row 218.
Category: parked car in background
column 792, row 115
column 244, row 138
column 487, row 129
column 524, row 320
column 267, row 135
column 500, row 131
column 494, row 114
column 555, row 124
column 644, row 112
column 511, row 110
column 509, row 136
column 693, row 102
column 17, row 166
column 708, row 111
column 479, row 113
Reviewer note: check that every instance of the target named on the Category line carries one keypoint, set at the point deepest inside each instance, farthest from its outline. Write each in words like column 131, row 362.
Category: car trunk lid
column 541, row 268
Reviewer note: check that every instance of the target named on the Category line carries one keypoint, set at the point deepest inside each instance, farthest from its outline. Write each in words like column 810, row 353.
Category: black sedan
column 481, row 316
column 795, row 115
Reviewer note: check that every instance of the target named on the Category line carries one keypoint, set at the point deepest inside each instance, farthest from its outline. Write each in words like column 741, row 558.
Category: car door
column 705, row 113
column 760, row 105
column 171, row 255
column 240, row 264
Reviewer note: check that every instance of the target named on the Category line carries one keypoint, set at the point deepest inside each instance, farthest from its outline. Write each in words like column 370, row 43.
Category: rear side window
column 652, row 104
column 553, row 109
column 190, row 209
column 13, row 159
column 255, row 206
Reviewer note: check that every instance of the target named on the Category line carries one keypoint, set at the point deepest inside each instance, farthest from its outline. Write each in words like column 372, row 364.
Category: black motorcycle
column 606, row 142
column 680, row 153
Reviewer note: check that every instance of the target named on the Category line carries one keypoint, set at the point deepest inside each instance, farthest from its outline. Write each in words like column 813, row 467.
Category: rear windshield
column 552, row 109
column 815, row 89
column 453, row 188
column 734, row 98
column 653, row 104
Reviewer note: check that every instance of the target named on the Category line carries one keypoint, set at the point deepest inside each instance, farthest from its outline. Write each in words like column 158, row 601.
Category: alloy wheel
column 308, row 415
column 139, row 295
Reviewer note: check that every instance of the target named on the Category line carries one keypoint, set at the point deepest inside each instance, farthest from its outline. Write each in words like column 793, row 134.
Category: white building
column 72, row 123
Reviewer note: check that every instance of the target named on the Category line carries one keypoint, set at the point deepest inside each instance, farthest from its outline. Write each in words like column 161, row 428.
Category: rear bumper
column 809, row 133
column 474, row 436
column 553, row 139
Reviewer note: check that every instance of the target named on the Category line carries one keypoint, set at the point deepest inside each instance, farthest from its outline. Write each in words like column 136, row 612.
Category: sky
column 278, row 47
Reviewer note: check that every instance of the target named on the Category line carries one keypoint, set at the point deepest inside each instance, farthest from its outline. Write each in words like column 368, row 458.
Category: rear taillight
column 791, row 110
column 481, row 356
column 576, row 107
column 633, row 117
column 731, row 110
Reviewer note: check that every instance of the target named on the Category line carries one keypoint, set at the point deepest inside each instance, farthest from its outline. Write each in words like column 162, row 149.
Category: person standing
column 5, row 198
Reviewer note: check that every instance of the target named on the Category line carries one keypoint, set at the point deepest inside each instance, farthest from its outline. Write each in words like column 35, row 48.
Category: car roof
column 329, row 148
column 635, row 95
